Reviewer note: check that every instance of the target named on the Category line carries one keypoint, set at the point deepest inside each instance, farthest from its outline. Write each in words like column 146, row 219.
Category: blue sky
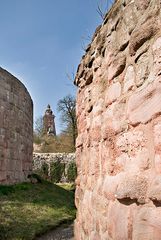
column 42, row 41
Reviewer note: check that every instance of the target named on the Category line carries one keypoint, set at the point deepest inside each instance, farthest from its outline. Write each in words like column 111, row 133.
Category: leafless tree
column 38, row 128
column 67, row 108
column 103, row 6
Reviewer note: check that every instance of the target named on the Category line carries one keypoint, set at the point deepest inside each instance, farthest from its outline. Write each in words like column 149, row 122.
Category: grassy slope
column 27, row 210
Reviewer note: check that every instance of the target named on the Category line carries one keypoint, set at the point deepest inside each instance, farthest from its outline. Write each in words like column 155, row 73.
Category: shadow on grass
column 28, row 210
column 39, row 193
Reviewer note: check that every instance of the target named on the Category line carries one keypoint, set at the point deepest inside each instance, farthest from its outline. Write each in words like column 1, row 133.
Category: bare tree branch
column 67, row 108
column 103, row 10
column 100, row 11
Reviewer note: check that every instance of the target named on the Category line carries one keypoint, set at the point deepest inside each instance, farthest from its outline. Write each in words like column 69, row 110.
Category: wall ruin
column 118, row 194
column 39, row 159
column 16, row 129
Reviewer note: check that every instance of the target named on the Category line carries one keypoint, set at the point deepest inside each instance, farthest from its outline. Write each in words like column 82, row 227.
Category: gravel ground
column 61, row 233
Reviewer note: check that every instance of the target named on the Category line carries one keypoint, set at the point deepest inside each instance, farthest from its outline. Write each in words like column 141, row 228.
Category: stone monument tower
column 48, row 122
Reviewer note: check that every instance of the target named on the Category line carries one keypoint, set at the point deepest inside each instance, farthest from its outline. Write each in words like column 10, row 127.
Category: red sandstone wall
column 118, row 194
column 16, row 129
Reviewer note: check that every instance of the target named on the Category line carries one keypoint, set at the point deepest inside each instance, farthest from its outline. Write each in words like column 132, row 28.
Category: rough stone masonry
column 16, row 129
column 118, row 194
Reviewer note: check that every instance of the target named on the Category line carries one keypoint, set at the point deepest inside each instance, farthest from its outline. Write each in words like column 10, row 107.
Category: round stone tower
column 16, row 129
column 48, row 122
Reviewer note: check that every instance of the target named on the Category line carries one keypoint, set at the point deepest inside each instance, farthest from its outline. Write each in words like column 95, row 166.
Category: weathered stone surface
column 119, row 127
column 155, row 189
column 113, row 92
column 145, row 104
column 157, row 57
column 142, row 34
column 16, row 130
column 146, row 223
column 122, row 36
column 129, row 81
column 130, row 17
column 142, row 69
column 133, row 187
column 118, row 221
column 116, row 67
column 142, row 4
column 114, row 118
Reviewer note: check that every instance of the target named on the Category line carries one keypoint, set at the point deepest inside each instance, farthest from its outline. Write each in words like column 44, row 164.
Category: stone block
column 154, row 192
column 113, row 93
column 118, row 218
column 133, row 187
column 130, row 17
column 142, row 4
column 114, row 118
column 147, row 223
column 142, row 34
column 117, row 66
column 142, row 69
column 144, row 105
column 129, row 80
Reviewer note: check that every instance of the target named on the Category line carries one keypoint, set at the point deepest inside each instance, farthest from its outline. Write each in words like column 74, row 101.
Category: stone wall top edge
column 63, row 153
column 113, row 8
column 110, row 28
column 8, row 74
column 107, row 16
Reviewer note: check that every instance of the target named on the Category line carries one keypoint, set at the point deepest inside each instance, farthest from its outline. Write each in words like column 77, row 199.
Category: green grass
column 67, row 186
column 28, row 210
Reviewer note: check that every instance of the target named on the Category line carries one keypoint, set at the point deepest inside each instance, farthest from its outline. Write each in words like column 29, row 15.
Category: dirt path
column 61, row 233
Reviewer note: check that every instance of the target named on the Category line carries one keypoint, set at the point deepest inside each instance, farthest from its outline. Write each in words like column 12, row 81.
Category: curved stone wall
column 16, row 129
column 118, row 194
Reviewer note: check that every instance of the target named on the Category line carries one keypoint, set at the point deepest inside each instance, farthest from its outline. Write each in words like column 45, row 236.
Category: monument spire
column 49, row 121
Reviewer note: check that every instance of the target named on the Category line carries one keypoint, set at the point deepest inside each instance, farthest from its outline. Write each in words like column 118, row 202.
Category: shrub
column 71, row 172
column 43, row 171
column 35, row 178
column 37, row 139
column 56, row 171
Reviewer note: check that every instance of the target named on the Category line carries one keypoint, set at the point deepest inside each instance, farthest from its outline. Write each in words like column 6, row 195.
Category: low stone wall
column 40, row 158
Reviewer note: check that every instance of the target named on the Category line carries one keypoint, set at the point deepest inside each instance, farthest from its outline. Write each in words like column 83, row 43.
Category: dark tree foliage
column 72, row 172
column 56, row 171
column 39, row 126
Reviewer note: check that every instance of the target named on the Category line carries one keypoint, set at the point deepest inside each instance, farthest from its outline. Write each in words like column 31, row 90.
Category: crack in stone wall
column 16, row 130
column 118, row 154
